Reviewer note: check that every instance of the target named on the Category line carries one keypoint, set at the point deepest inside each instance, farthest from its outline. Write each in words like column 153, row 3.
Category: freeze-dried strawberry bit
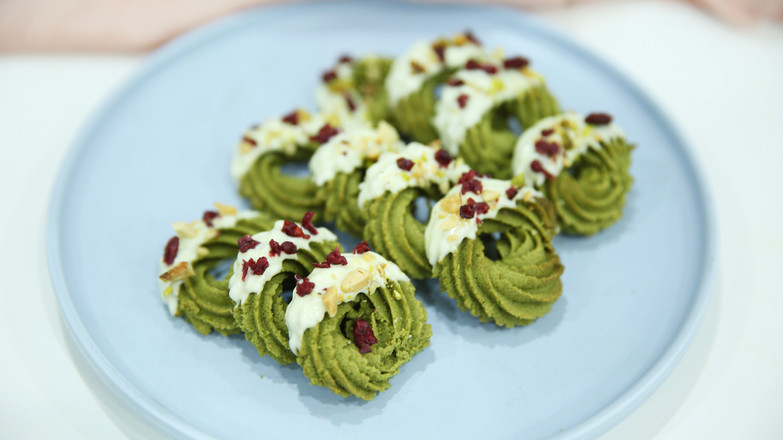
column 349, row 102
column 329, row 76
column 547, row 148
column 292, row 118
column 537, row 167
column 246, row 243
column 455, row 82
column 288, row 247
column 274, row 248
column 481, row 208
column 324, row 134
column 490, row 69
column 170, row 252
column 345, row 59
column 443, row 158
column 303, row 286
column 547, row 131
column 511, row 192
column 598, row 119
column 361, row 248
column 405, row 164
column 472, row 38
column 473, row 186
column 462, row 100
column 323, row 265
column 307, row 222
column 440, row 51
column 250, row 141
column 258, row 267
column 468, row 175
column 472, row 65
column 516, row 63
column 466, row 211
column 335, row 258
column 291, row 229
column 209, row 216
column 363, row 336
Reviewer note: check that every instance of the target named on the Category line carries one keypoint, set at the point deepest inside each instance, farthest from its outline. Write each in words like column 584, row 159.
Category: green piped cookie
column 353, row 90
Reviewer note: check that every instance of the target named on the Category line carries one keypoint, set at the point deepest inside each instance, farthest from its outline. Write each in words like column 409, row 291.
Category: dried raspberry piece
column 361, row 248
column 537, row 167
column 443, row 158
column 291, row 229
column 245, row 268
column 547, row 131
column 547, row 148
column 598, row 119
column 260, row 266
column 323, row 265
column 474, row 186
column 490, row 69
column 170, row 252
column 440, row 51
column 246, row 243
column 468, row 175
column 209, row 216
column 455, row 82
column 324, row 134
column 363, row 336
column 274, row 248
column 335, row 258
column 292, row 118
column 472, row 65
column 329, row 76
column 511, row 192
column 467, row 211
column 345, row 59
column 481, row 208
column 349, row 102
column 516, row 63
column 303, row 285
column 288, row 247
column 307, row 222
column 250, row 141
column 462, row 100
column 472, row 38
column 405, row 164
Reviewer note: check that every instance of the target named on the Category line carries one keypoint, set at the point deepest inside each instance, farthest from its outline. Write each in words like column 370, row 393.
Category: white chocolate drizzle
column 334, row 285
column 572, row 135
column 446, row 229
column 386, row 175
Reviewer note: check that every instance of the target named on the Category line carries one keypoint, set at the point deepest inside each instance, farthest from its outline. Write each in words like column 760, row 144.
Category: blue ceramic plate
column 159, row 151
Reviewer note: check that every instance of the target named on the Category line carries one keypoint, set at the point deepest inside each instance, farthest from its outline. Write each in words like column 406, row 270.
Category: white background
column 722, row 86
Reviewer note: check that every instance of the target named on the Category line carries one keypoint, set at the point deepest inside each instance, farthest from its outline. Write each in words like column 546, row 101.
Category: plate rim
column 170, row 424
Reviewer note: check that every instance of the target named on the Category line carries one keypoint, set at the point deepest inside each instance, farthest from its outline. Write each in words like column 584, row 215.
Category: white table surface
column 722, row 87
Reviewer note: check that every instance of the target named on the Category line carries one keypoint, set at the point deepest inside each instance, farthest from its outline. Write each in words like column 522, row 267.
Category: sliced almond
column 179, row 272
column 303, row 115
column 451, row 203
column 382, row 270
column 245, row 147
column 417, row 67
column 435, row 144
column 368, row 257
column 211, row 233
column 387, row 133
column 202, row 251
column 186, row 230
column 450, row 222
column 460, row 39
column 490, row 195
column 356, row 280
column 225, row 209
column 330, row 300
column 528, row 196
column 451, row 237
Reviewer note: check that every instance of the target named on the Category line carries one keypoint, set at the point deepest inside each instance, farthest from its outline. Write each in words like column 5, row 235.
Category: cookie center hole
column 295, row 169
column 421, row 208
column 491, row 245
column 221, row 270
column 289, row 284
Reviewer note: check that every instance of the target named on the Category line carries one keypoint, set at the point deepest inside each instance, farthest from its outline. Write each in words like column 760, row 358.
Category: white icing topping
column 446, row 229
column 386, row 176
column 335, row 285
column 404, row 79
column 332, row 98
column 275, row 135
column 569, row 125
column 483, row 92
column 349, row 149
column 240, row 289
column 191, row 236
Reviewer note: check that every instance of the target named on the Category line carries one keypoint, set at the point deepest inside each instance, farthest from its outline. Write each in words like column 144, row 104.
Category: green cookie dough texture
column 414, row 77
column 387, row 197
column 354, row 90
column 474, row 111
column 259, row 308
column 587, row 178
column 524, row 279
column 364, row 288
column 200, row 298
column 338, row 167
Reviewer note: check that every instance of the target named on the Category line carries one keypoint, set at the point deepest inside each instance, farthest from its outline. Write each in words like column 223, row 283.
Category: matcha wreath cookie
column 414, row 77
column 474, row 110
column 338, row 167
column 265, row 148
column 518, row 280
column 354, row 321
column 187, row 282
column 266, row 265
column 387, row 197
column 354, row 91
column 581, row 164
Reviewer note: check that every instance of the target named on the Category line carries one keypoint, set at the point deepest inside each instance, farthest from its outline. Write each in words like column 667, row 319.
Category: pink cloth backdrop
column 136, row 25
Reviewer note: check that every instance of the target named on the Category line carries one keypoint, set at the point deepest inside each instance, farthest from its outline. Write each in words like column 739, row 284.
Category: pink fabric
column 135, row 25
